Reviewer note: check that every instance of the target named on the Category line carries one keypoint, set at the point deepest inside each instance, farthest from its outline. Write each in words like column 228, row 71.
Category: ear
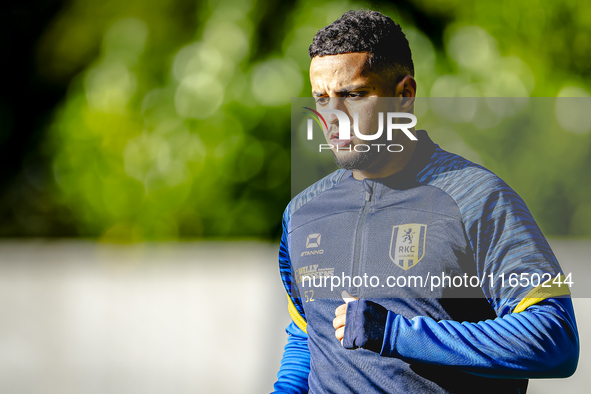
column 407, row 89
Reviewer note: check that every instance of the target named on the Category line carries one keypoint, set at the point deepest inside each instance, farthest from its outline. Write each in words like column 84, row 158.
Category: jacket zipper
column 355, row 290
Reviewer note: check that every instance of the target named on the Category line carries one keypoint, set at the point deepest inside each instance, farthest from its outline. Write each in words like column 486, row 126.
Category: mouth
column 334, row 139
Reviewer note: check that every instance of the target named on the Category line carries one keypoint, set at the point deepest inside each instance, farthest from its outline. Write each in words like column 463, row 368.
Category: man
column 417, row 212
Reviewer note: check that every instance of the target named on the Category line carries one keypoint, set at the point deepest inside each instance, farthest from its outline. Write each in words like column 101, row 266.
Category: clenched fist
column 341, row 316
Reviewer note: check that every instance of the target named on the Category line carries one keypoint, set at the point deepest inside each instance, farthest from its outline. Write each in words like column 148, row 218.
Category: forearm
column 295, row 364
column 539, row 342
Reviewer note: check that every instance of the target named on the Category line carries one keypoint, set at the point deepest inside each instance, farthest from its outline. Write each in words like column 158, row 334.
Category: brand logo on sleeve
column 407, row 246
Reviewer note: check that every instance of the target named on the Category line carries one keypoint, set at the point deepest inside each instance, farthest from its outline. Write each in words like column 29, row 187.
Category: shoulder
column 469, row 184
column 313, row 191
column 452, row 172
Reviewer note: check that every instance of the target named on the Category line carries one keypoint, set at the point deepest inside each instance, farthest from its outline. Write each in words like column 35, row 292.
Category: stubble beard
column 360, row 160
column 354, row 160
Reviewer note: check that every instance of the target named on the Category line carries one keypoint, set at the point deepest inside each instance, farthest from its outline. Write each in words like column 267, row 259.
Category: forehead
column 335, row 70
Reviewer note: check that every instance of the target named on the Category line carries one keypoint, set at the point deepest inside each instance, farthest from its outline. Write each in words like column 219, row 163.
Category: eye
column 355, row 95
column 322, row 101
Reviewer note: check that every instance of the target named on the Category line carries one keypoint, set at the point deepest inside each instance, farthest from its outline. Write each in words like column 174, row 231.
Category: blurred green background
column 159, row 120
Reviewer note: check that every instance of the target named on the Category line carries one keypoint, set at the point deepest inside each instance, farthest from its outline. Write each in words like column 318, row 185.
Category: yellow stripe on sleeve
column 296, row 317
column 541, row 293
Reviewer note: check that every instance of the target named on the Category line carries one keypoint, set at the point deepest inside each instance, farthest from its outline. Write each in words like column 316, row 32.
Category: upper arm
column 295, row 307
column 510, row 252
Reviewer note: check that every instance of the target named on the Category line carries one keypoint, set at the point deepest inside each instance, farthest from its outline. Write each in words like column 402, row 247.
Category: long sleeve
column 295, row 365
column 541, row 341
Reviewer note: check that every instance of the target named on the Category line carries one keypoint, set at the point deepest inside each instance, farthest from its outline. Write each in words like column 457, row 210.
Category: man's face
column 344, row 82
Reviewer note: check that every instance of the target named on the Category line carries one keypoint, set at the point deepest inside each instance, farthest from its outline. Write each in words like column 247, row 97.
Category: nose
column 336, row 103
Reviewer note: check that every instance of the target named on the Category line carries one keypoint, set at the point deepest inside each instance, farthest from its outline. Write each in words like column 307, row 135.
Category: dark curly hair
column 366, row 31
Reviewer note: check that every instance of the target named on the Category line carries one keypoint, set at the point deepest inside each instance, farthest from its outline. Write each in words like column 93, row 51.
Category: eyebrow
column 345, row 89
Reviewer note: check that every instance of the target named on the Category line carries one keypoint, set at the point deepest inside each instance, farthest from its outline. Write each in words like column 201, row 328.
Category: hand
column 341, row 316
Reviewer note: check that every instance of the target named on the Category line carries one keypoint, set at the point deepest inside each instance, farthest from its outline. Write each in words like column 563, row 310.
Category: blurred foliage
column 176, row 118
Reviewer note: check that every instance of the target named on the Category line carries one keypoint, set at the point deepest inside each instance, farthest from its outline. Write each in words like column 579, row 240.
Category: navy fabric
column 365, row 325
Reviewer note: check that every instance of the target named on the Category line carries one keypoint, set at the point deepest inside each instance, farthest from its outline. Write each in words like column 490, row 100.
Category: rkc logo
column 407, row 246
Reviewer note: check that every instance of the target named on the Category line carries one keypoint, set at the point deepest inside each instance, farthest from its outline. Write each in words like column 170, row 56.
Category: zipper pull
column 367, row 196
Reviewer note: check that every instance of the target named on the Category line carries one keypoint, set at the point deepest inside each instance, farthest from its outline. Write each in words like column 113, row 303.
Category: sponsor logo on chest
column 310, row 272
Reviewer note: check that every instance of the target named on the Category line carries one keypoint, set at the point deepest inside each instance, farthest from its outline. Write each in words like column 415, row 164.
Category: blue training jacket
column 409, row 246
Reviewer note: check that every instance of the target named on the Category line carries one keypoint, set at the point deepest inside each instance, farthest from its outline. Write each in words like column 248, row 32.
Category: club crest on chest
column 407, row 246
